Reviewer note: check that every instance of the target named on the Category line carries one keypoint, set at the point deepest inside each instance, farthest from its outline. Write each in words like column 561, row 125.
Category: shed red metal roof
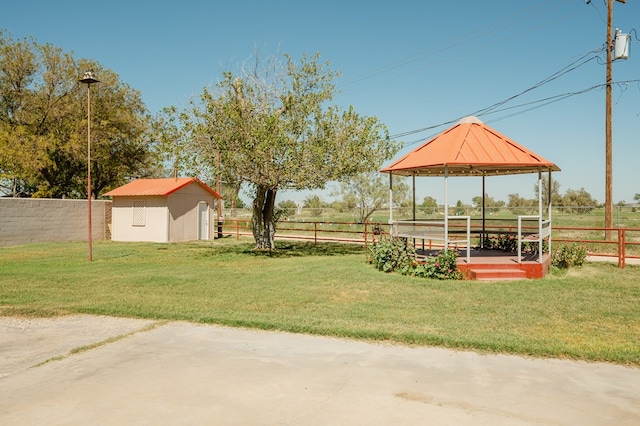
column 162, row 187
column 470, row 148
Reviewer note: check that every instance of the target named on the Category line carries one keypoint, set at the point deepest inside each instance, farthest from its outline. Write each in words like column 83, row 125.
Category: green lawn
column 589, row 313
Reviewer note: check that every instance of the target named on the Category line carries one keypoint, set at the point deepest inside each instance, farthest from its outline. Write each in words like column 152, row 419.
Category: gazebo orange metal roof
column 162, row 187
column 470, row 148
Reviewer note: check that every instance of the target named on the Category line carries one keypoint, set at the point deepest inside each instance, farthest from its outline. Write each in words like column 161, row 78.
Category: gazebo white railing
column 544, row 231
column 434, row 230
column 544, row 226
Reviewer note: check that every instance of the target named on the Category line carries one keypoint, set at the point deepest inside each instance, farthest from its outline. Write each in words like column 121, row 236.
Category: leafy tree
column 477, row 201
column 520, row 205
column 43, row 125
column 367, row 192
column 579, row 201
column 556, row 198
column 172, row 134
column 273, row 129
column 636, row 197
column 429, row 205
column 238, row 203
column 287, row 208
column 313, row 202
column 120, row 144
column 172, row 143
column 489, row 202
column 287, row 204
column 346, row 204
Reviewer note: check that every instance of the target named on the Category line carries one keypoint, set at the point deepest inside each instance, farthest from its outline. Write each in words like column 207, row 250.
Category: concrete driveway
column 143, row 372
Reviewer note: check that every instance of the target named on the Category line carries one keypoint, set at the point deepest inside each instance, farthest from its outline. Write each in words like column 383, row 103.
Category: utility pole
column 608, row 203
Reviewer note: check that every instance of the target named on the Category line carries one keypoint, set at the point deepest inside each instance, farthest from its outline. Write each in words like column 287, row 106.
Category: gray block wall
column 33, row 220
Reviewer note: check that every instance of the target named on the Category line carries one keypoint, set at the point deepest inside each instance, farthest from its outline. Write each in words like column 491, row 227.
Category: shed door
column 203, row 221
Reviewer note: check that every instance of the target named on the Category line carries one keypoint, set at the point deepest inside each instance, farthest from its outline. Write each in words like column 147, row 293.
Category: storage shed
column 163, row 210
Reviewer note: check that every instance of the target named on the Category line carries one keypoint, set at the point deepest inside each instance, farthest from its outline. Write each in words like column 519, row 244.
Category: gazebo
column 471, row 148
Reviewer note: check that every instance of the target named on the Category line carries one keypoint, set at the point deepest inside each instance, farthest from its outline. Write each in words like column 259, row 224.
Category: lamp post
column 88, row 78
column 219, row 193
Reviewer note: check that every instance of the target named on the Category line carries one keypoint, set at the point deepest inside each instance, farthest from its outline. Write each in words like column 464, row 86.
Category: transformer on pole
column 621, row 45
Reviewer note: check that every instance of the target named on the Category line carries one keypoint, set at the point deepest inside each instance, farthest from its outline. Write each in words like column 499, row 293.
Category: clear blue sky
column 413, row 64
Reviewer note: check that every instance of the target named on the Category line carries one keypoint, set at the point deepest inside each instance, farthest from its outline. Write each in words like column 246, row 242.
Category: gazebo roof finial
column 470, row 119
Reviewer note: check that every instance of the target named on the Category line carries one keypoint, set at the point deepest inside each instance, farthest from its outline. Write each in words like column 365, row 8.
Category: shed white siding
column 133, row 224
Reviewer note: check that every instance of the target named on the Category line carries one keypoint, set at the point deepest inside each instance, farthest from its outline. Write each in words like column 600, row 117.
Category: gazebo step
column 497, row 274
column 489, row 265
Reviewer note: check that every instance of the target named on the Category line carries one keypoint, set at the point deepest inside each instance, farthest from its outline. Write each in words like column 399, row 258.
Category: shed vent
column 138, row 213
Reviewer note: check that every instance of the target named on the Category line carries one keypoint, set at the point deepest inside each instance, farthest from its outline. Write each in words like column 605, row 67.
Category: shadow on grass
column 285, row 249
column 299, row 249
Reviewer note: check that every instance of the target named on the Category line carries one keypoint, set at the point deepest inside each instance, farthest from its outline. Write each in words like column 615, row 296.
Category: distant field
column 623, row 216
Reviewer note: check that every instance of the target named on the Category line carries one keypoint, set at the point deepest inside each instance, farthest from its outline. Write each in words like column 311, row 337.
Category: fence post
column 621, row 248
column 315, row 233
column 237, row 229
column 365, row 234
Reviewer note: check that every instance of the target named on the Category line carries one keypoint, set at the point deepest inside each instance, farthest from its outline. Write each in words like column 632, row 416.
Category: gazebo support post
column 446, row 208
column 390, row 201
column 413, row 182
column 540, row 217
column 549, row 201
column 482, row 235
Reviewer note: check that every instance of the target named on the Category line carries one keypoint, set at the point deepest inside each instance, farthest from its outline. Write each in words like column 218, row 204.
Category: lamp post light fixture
column 88, row 78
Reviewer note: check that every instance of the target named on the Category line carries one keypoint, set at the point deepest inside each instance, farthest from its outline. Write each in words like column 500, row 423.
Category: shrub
column 394, row 255
column 501, row 242
column 509, row 243
column 389, row 255
column 569, row 255
column 442, row 267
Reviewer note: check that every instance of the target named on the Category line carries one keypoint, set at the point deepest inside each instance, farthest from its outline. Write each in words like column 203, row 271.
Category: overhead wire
column 572, row 66
column 549, row 79
column 597, row 11
column 542, row 102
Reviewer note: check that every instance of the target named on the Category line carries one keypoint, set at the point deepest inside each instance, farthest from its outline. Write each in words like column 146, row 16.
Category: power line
column 568, row 68
column 597, row 11
column 542, row 102
column 549, row 79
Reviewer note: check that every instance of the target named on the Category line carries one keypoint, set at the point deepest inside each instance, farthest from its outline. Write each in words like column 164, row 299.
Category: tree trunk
column 262, row 222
